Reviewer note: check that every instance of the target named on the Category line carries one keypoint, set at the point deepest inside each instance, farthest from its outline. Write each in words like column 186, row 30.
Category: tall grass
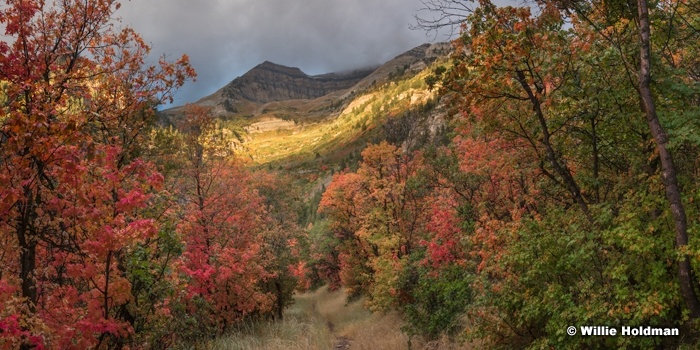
column 301, row 329
column 292, row 333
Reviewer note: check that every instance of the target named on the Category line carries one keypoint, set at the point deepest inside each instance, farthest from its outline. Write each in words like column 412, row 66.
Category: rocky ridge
column 268, row 82
column 271, row 90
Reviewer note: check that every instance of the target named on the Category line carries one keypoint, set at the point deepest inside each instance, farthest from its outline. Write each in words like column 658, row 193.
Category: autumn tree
column 636, row 21
column 282, row 239
column 221, row 224
column 379, row 215
column 76, row 100
column 347, row 263
column 550, row 119
column 650, row 45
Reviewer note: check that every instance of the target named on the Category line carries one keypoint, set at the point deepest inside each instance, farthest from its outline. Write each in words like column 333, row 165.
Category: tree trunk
column 27, row 257
column 280, row 300
column 668, row 169
column 560, row 168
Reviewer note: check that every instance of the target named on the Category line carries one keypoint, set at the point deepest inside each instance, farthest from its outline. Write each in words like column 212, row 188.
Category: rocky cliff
column 268, row 82
column 273, row 90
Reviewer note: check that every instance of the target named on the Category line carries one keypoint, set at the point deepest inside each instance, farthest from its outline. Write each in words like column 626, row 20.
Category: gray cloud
column 225, row 38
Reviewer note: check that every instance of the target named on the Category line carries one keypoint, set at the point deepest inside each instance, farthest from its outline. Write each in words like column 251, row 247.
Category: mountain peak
column 268, row 82
column 271, row 82
column 276, row 68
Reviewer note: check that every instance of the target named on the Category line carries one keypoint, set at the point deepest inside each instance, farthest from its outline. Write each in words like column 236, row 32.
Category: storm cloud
column 225, row 38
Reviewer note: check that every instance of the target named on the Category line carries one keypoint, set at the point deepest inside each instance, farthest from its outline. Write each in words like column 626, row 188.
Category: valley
column 535, row 178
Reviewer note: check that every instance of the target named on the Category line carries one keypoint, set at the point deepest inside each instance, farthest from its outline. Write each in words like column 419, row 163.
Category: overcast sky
column 225, row 38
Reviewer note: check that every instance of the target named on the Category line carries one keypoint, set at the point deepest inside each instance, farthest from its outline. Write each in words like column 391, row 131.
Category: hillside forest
column 559, row 186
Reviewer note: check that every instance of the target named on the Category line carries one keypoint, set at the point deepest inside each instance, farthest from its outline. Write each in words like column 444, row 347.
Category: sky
column 226, row 38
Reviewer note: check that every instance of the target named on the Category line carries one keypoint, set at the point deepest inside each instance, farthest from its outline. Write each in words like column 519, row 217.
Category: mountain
column 268, row 82
column 281, row 113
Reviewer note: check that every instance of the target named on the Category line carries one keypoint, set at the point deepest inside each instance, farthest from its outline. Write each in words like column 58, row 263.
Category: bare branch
column 436, row 15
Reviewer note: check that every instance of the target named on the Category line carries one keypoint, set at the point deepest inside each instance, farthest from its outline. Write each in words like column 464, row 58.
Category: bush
column 440, row 298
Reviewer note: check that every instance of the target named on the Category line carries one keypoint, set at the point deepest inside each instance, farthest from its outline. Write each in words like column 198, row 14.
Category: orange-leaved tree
column 379, row 214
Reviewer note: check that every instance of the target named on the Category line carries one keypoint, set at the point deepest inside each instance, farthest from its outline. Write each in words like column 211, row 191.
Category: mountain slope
column 286, row 115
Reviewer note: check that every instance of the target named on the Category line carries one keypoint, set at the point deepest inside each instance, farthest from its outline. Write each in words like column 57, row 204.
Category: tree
column 569, row 182
column 379, row 214
column 592, row 13
column 627, row 28
column 76, row 101
column 441, row 14
column 348, row 264
column 222, row 225
column 282, row 239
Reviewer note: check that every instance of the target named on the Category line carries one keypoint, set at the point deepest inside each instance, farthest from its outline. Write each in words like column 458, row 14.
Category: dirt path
column 342, row 343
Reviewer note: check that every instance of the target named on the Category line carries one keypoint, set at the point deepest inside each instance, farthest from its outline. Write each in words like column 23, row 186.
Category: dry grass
column 292, row 334
column 377, row 332
column 319, row 319
column 300, row 330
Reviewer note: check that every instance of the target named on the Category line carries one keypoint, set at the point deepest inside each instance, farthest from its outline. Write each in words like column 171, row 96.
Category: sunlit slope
column 278, row 114
column 271, row 138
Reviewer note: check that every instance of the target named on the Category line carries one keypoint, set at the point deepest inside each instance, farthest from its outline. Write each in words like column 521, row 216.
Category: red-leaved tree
column 222, row 227
column 75, row 102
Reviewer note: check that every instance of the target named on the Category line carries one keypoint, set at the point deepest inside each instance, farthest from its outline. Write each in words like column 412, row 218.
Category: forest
column 563, row 190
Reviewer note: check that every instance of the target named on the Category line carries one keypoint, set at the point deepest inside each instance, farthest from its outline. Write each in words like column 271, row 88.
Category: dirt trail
column 348, row 324
column 342, row 343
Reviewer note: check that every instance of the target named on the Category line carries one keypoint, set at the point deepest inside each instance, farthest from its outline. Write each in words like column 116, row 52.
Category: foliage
column 556, row 201
column 114, row 237
column 283, row 239
column 550, row 207
column 439, row 300
column 74, row 192
column 378, row 214
column 222, row 231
